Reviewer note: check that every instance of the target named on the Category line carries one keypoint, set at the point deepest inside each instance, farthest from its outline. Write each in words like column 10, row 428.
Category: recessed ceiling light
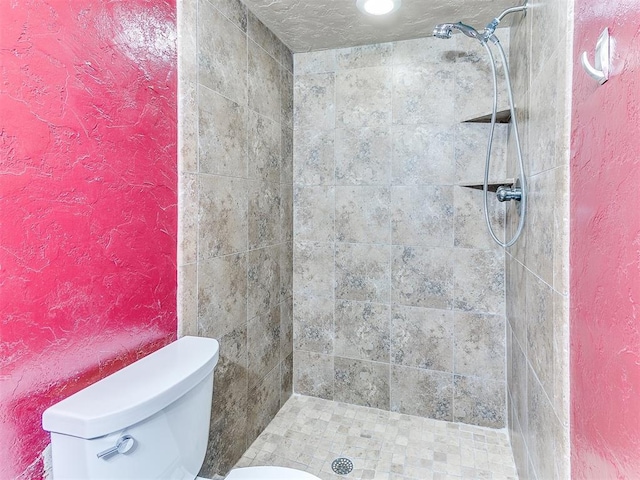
column 378, row 7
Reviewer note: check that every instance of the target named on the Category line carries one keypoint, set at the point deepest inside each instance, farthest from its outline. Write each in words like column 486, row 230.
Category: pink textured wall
column 87, row 202
column 605, row 249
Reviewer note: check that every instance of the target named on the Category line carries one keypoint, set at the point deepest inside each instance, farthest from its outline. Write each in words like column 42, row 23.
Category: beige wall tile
column 422, row 93
column 362, row 272
column 314, row 330
column 314, row 209
column 286, row 330
column 313, row 268
column 470, row 229
column 222, row 58
column 362, row 330
column 423, row 50
column 188, row 299
column 314, row 106
column 540, row 327
column 222, row 306
column 264, row 138
column 188, row 187
column 286, row 165
column 362, row 383
column 222, row 216
column 323, row 61
column 422, row 155
column 471, row 152
column 263, row 347
column 263, row 82
column 314, row 157
column 313, row 374
column 422, row 216
column 363, row 156
column 264, row 214
column 286, row 97
column 479, row 401
column 222, row 134
column 263, row 280
column 363, row 214
column 264, row 404
column 377, row 55
column 541, row 426
column 286, row 212
column 422, row 276
column 262, row 36
column 286, row 270
column 419, row 392
column 363, row 97
column 234, row 10
column 479, row 345
column 422, row 338
column 479, row 280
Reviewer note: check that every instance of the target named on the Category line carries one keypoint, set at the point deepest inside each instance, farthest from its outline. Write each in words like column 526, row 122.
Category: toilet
column 149, row 420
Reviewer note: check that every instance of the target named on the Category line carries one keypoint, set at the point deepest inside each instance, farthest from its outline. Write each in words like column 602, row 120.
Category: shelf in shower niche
column 493, row 185
column 503, row 116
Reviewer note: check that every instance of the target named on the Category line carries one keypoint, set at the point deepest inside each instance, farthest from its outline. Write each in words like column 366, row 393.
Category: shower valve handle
column 506, row 194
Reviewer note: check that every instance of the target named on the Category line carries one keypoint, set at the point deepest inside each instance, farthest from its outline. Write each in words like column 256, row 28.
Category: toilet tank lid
column 136, row 392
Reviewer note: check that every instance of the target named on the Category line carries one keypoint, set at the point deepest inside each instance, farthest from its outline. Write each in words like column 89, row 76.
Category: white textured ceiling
column 305, row 25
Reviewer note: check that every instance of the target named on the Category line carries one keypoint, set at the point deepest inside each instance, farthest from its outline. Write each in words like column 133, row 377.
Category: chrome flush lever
column 124, row 445
column 602, row 69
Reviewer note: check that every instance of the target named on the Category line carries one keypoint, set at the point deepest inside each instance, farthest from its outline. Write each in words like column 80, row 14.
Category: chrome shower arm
column 491, row 28
column 521, row 8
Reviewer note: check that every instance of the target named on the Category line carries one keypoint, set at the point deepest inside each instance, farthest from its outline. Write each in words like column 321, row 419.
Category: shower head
column 445, row 30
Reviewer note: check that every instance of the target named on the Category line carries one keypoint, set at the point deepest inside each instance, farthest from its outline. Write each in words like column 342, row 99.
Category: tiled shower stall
column 398, row 289
column 329, row 238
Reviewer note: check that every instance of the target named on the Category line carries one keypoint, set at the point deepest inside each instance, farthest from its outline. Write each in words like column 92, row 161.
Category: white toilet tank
column 157, row 409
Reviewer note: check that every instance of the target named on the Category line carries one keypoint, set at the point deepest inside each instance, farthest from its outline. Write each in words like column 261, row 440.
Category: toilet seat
column 269, row 473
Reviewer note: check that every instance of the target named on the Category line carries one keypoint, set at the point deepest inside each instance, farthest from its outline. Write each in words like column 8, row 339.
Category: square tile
column 420, row 392
column 363, row 156
column 362, row 272
column 362, row 214
column 223, row 206
column 314, row 208
column 422, row 276
column 222, row 58
column 363, row 97
column 422, row 155
column 360, row 382
column 422, row 215
column 422, row 338
column 362, row 330
column 479, row 345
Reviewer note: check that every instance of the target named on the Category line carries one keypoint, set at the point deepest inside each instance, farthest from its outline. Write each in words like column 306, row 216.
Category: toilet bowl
column 149, row 420
column 268, row 473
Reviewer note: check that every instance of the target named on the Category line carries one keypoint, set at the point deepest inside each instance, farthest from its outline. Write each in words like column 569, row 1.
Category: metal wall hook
column 600, row 72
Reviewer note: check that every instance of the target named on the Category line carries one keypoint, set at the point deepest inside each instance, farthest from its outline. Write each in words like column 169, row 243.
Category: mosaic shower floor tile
column 310, row 433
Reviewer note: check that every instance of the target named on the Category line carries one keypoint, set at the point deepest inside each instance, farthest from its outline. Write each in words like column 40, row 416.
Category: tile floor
column 309, row 433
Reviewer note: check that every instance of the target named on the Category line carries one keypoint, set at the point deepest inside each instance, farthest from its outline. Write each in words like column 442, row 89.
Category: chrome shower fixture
column 517, row 192
column 507, row 194
column 445, row 30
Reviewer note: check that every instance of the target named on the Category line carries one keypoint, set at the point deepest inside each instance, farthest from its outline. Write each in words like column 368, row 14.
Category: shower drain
column 342, row 466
